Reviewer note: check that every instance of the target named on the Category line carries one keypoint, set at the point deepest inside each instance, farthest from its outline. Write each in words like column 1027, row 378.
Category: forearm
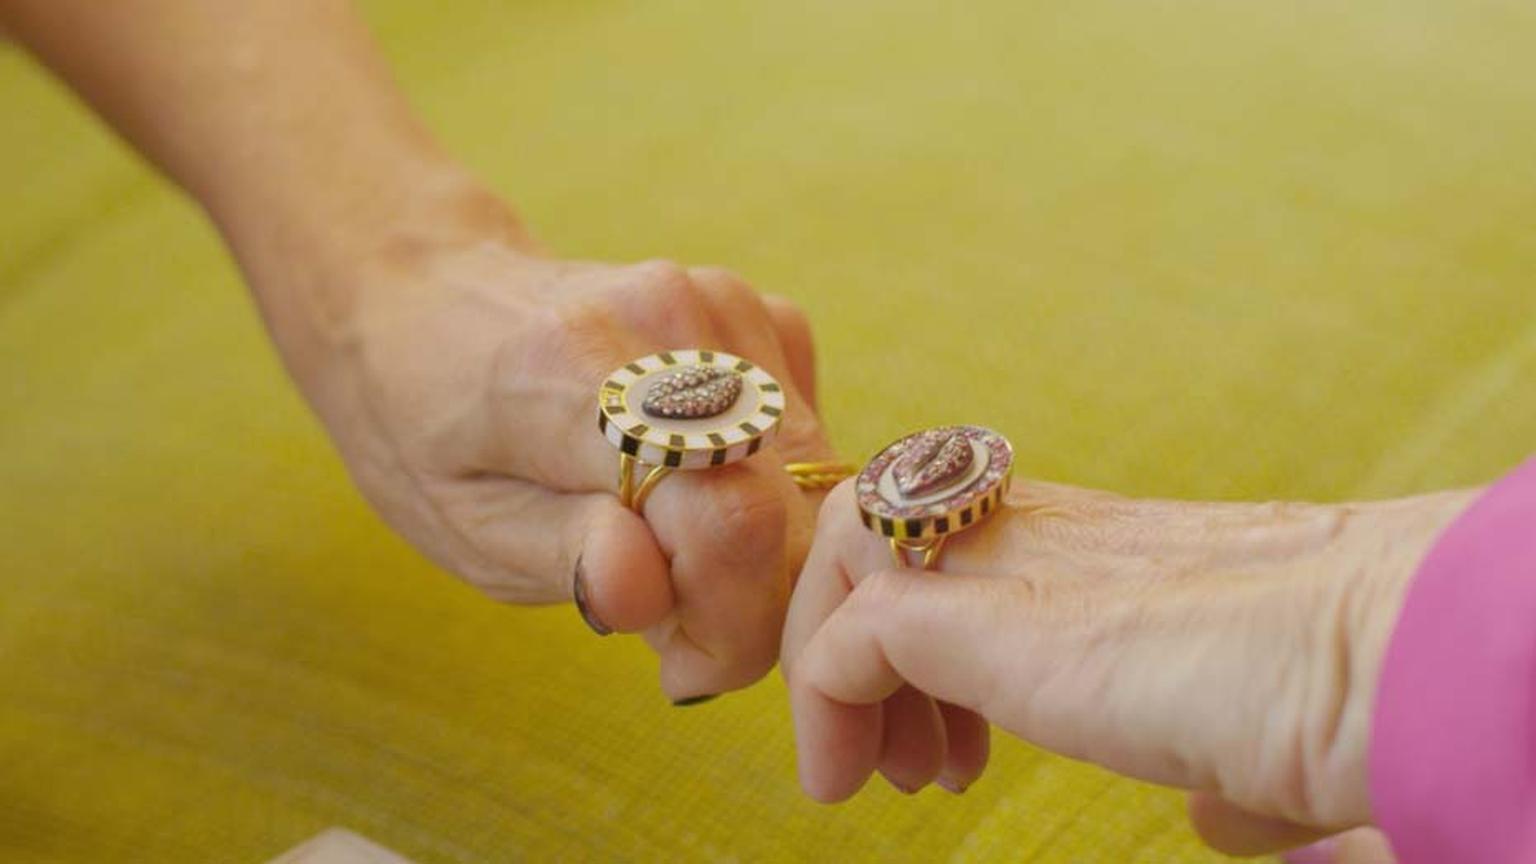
column 280, row 118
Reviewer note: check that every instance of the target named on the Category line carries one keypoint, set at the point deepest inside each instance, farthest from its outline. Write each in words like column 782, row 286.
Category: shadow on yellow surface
column 1187, row 249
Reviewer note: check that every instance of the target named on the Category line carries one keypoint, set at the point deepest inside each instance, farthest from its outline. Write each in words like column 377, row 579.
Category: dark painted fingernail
column 951, row 786
column 693, row 700
column 579, row 594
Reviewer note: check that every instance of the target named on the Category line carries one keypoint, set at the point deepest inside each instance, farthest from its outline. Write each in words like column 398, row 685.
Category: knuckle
column 667, row 282
column 580, row 335
column 710, row 275
column 880, row 592
column 728, row 289
column 790, row 314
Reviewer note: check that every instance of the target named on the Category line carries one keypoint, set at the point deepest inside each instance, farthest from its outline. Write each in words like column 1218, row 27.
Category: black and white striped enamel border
column 929, row 527
column 641, row 438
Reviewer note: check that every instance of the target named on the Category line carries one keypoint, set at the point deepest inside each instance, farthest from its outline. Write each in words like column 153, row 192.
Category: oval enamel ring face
column 935, row 482
column 690, row 408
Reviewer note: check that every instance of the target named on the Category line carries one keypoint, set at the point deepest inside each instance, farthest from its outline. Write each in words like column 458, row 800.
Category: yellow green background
column 1197, row 249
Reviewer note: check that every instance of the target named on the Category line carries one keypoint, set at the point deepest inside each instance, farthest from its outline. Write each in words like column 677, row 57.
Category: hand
column 455, row 367
column 1230, row 649
column 459, row 380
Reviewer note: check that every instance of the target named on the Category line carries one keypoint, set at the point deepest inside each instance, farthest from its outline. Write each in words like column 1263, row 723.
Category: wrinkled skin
column 459, row 380
column 1228, row 649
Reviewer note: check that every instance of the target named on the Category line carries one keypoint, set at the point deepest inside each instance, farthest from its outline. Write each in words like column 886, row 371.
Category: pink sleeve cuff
column 1453, row 748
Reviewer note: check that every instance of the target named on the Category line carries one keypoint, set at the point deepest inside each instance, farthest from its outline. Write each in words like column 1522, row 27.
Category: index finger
column 833, row 740
column 841, row 554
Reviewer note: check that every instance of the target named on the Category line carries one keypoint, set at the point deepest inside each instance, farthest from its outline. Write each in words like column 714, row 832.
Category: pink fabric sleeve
column 1453, row 748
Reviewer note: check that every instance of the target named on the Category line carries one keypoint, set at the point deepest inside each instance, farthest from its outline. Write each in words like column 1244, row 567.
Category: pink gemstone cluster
column 693, row 393
column 932, row 460
column 934, row 463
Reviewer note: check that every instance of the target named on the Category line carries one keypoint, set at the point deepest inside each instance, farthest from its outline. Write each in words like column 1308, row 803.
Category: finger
column 689, row 672
column 843, row 550
column 739, row 316
column 912, row 746
column 514, row 534
column 794, row 332
column 840, row 682
column 744, row 322
column 838, row 746
column 1228, row 828
column 956, row 638
column 725, row 533
column 663, row 300
column 844, row 547
column 968, row 744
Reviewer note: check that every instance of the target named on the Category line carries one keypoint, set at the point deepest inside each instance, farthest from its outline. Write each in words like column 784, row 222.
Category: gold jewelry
column 820, row 475
column 690, row 409
column 631, row 494
column 931, row 484
column 928, row 551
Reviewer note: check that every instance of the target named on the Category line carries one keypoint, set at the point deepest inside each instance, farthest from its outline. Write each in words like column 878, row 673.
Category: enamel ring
column 687, row 410
column 931, row 484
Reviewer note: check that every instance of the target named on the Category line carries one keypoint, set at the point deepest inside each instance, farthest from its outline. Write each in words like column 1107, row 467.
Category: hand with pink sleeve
column 1302, row 669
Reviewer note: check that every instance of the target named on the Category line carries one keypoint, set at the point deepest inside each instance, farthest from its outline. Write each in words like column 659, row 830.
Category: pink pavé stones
column 693, row 393
column 947, row 477
column 931, row 461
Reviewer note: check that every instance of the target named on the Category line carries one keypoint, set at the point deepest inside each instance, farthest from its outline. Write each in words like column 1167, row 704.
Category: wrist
column 324, row 259
column 1385, row 547
column 331, row 220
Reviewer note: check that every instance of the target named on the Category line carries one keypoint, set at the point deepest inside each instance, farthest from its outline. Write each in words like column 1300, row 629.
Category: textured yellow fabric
column 1200, row 249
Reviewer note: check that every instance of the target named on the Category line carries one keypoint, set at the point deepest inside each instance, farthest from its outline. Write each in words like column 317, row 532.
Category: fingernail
column 1321, row 852
column 904, row 789
column 693, row 700
column 951, row 786
column 579, row 594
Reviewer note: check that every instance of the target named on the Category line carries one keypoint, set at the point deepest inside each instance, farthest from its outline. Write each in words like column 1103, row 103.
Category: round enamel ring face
column 689, row 409
column 934, row 483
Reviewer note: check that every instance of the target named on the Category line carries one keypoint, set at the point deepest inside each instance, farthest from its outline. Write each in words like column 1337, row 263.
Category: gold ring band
column 643, row 492
column 929, row 550
column 815, row 476
column 632, row 494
